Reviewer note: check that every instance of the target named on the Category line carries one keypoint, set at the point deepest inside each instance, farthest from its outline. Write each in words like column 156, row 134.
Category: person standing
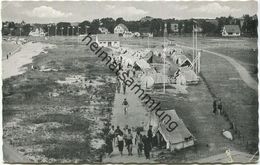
column 220, row 107
column 147, row 147
column 125, row 104
column 150, row 136
column 129, row 142
column 139, row 142
column 215, row 106
column 120, row 143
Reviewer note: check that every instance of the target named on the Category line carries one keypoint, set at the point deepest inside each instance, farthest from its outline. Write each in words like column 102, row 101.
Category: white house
column 103, row 30
column 108, row 40
column 175, row 27
column 128, row 34
column 137, row 34
column 120, row 29
column 231, row 31
column 37, row 31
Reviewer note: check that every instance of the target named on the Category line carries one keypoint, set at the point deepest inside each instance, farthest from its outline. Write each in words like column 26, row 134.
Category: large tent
column 176, row 139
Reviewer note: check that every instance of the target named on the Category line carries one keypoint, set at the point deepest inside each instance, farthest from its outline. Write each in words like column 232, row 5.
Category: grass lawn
column 51, row 122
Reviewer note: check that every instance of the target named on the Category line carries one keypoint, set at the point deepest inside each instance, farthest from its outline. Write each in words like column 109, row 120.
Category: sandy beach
column 13, row 66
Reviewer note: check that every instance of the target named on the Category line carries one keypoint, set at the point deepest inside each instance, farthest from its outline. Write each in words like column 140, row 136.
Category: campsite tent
column 142, row 64
column 187, row 75
column 176, row 139
column 182, row 60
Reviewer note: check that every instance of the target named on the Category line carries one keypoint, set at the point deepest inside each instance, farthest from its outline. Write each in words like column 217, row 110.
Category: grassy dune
column 52, row 122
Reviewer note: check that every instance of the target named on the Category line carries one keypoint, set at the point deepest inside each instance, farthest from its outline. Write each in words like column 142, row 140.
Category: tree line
column 248, row 26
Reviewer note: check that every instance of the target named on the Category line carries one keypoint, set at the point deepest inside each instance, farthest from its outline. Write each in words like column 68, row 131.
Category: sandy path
column 244, row 74
column 136, row 114
column 13, row 66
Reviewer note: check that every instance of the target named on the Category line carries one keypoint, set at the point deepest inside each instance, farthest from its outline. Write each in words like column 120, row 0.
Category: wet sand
column 14, row 65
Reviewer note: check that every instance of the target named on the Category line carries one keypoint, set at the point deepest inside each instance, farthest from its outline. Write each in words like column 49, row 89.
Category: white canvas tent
column 187, row 75
column 178, row 138
column 143, row 64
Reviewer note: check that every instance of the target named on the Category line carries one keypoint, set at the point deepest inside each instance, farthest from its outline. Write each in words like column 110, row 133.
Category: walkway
column 245, row 76
column 137, row 116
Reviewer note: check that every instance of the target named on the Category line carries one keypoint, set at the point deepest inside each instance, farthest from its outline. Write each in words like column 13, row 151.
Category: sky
column 78, row 11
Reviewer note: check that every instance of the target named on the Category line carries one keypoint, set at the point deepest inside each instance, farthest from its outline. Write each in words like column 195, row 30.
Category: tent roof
column 179, row 134
column 143, row 64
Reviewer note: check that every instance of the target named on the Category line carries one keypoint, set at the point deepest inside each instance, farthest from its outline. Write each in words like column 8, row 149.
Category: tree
column 83, row 26
column 95, row 24
column 108, row 23
column 120, row 20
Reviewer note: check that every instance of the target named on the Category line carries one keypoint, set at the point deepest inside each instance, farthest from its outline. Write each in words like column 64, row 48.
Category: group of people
column 217, row 106
column 124, row 138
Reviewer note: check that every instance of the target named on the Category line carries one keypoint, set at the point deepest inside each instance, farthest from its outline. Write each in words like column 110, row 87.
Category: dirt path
column 137, row 116
column 244, row 74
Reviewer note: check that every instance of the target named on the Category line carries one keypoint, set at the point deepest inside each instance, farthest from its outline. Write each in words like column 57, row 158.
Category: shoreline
column 14, row 65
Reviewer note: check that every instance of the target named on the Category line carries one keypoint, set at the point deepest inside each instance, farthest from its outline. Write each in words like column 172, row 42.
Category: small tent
column 182, row 60
column 187, row 75
column 142, row 64
column 175, row 139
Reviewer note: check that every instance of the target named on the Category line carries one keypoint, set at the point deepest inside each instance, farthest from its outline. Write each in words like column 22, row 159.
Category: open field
column 48, row 118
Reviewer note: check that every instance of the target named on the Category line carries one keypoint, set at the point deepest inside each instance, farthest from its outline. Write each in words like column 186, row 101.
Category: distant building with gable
column 120, row 29
column 231, row 31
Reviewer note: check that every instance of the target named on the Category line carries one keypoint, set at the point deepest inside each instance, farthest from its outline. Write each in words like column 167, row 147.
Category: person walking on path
column 125, row 104
column 117, row 132
column 118, row 85
column 124, row 88
column 109, row 145
column 120, row 143
column 147, row 147
column 112, row 133
column 215, row 106
column 139, row 142
column 150, row 136
column 129, row 142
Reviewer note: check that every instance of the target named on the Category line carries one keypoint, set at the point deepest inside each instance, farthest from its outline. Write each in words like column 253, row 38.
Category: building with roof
column 37, row 31
column 108, row 40
column 175, row 27
column 231, row 31
column 120, row 29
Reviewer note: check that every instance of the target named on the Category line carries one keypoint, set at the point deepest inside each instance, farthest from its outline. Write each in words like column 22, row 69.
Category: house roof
column 123, row 26
column 232, row 28
column 107, row 37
